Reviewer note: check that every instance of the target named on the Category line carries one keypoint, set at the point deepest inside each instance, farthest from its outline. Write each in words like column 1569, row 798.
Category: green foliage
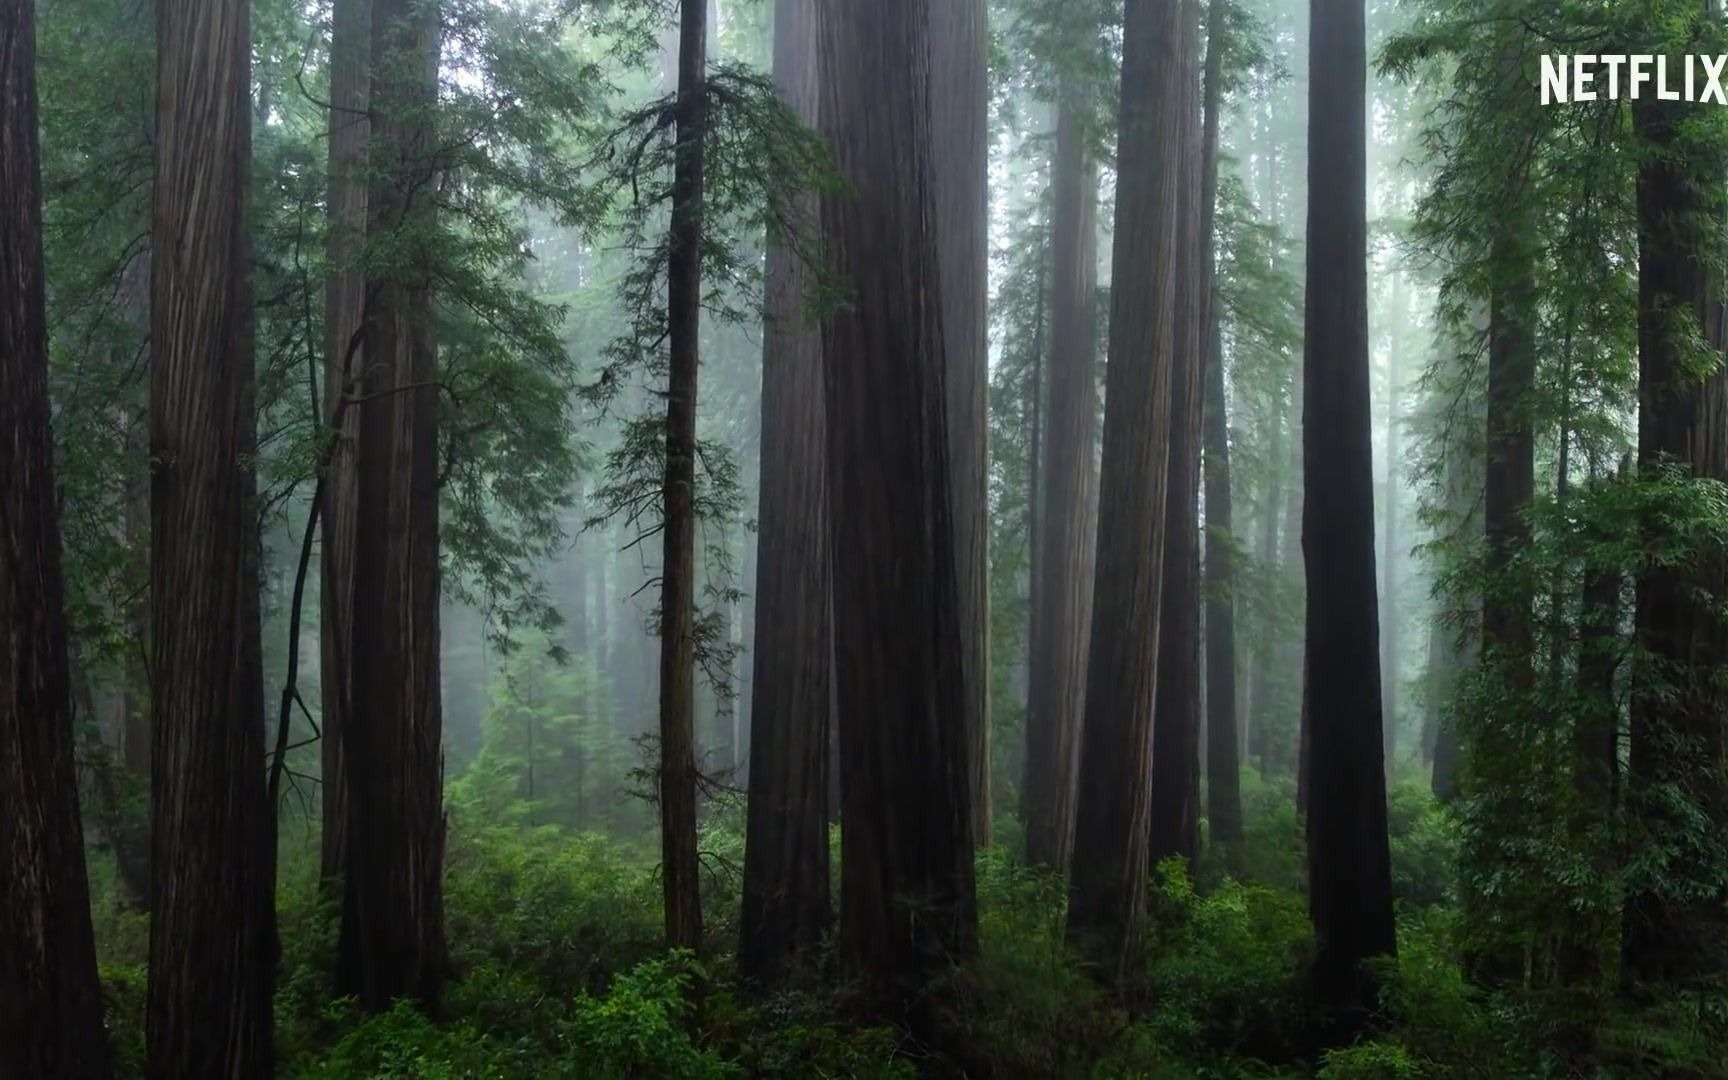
column 1369, row 1061
column 1224, row 969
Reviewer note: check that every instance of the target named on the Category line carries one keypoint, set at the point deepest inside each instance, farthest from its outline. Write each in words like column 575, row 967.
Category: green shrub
column 1225, row 970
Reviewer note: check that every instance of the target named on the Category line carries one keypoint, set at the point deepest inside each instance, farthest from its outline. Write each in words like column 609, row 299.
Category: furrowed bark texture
column 50, row 999
column 958, row 96
column 1175, row 825
column 1062, row 588
column 212, row 897
column 1349, row 868
column 1108, row 873
column 908, row 905
column 344, row 312
column 786, row 877
column 392, row 940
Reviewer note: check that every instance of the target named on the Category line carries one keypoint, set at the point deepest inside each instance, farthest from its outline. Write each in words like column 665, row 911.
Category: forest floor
column 554, row 935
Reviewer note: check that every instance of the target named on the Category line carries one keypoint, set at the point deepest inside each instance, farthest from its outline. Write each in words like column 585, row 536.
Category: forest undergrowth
column 555, row 939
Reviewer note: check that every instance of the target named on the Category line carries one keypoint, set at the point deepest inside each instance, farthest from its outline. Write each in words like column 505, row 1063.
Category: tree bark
column 1175, row 824
column 958, row 96
column 392, row 939
column 1062, row 586
column 50, row 997
column 908, row 906
column 786, row 877
column 344, row 361
column 212, row 897
column 680, row 872
column 1349, row 867
column 1108, row 877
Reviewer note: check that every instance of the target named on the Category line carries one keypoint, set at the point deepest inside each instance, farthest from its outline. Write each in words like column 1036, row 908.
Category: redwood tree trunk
column 1108, row 874
column 786, row 876
column 392, row 939
column 908, row 906
column 958, row 96
column 50, row 998
column 679, row 869
column 344, row 360
column 1349, row 868
column 1062, row 587
column 1175, row 825
column 212, row 897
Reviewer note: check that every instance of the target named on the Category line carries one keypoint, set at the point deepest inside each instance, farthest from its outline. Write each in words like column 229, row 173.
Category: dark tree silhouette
column 1349, row 867
column 50, row 999
column 908, row 908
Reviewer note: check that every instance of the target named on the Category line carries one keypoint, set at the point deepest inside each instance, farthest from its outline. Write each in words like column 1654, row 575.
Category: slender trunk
column 50, row 997
column 680, row 871
column 1349, row 867
column 1062, row 586
column 786, row 906
column 212, row 902
column 344, row 359
column 908, row 908
column 1108, row 875
column 391, row 943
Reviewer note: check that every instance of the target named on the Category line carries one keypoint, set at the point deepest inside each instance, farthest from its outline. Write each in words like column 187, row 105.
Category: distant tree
column 908, row 907
column 50, row 999
column 1349, row 866
column 212, row 900
column 1223, row 760
column 1061, row 609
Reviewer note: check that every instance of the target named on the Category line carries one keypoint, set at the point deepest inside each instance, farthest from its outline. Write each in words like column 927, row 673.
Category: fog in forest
column 873, row 538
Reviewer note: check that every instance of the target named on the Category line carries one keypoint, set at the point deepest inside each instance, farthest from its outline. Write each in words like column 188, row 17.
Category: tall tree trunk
column 1349, row 867
column 1674, row 928
column 786, row 878
column 50, row 998
column 908, row 905
column 680, row 871
column 1175, row 823
column 958, row 94
column 1062, row 587
column 212, row 897
column 1108, row 876
column 1223, row 764
column 392, row 940
column 344, row 360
